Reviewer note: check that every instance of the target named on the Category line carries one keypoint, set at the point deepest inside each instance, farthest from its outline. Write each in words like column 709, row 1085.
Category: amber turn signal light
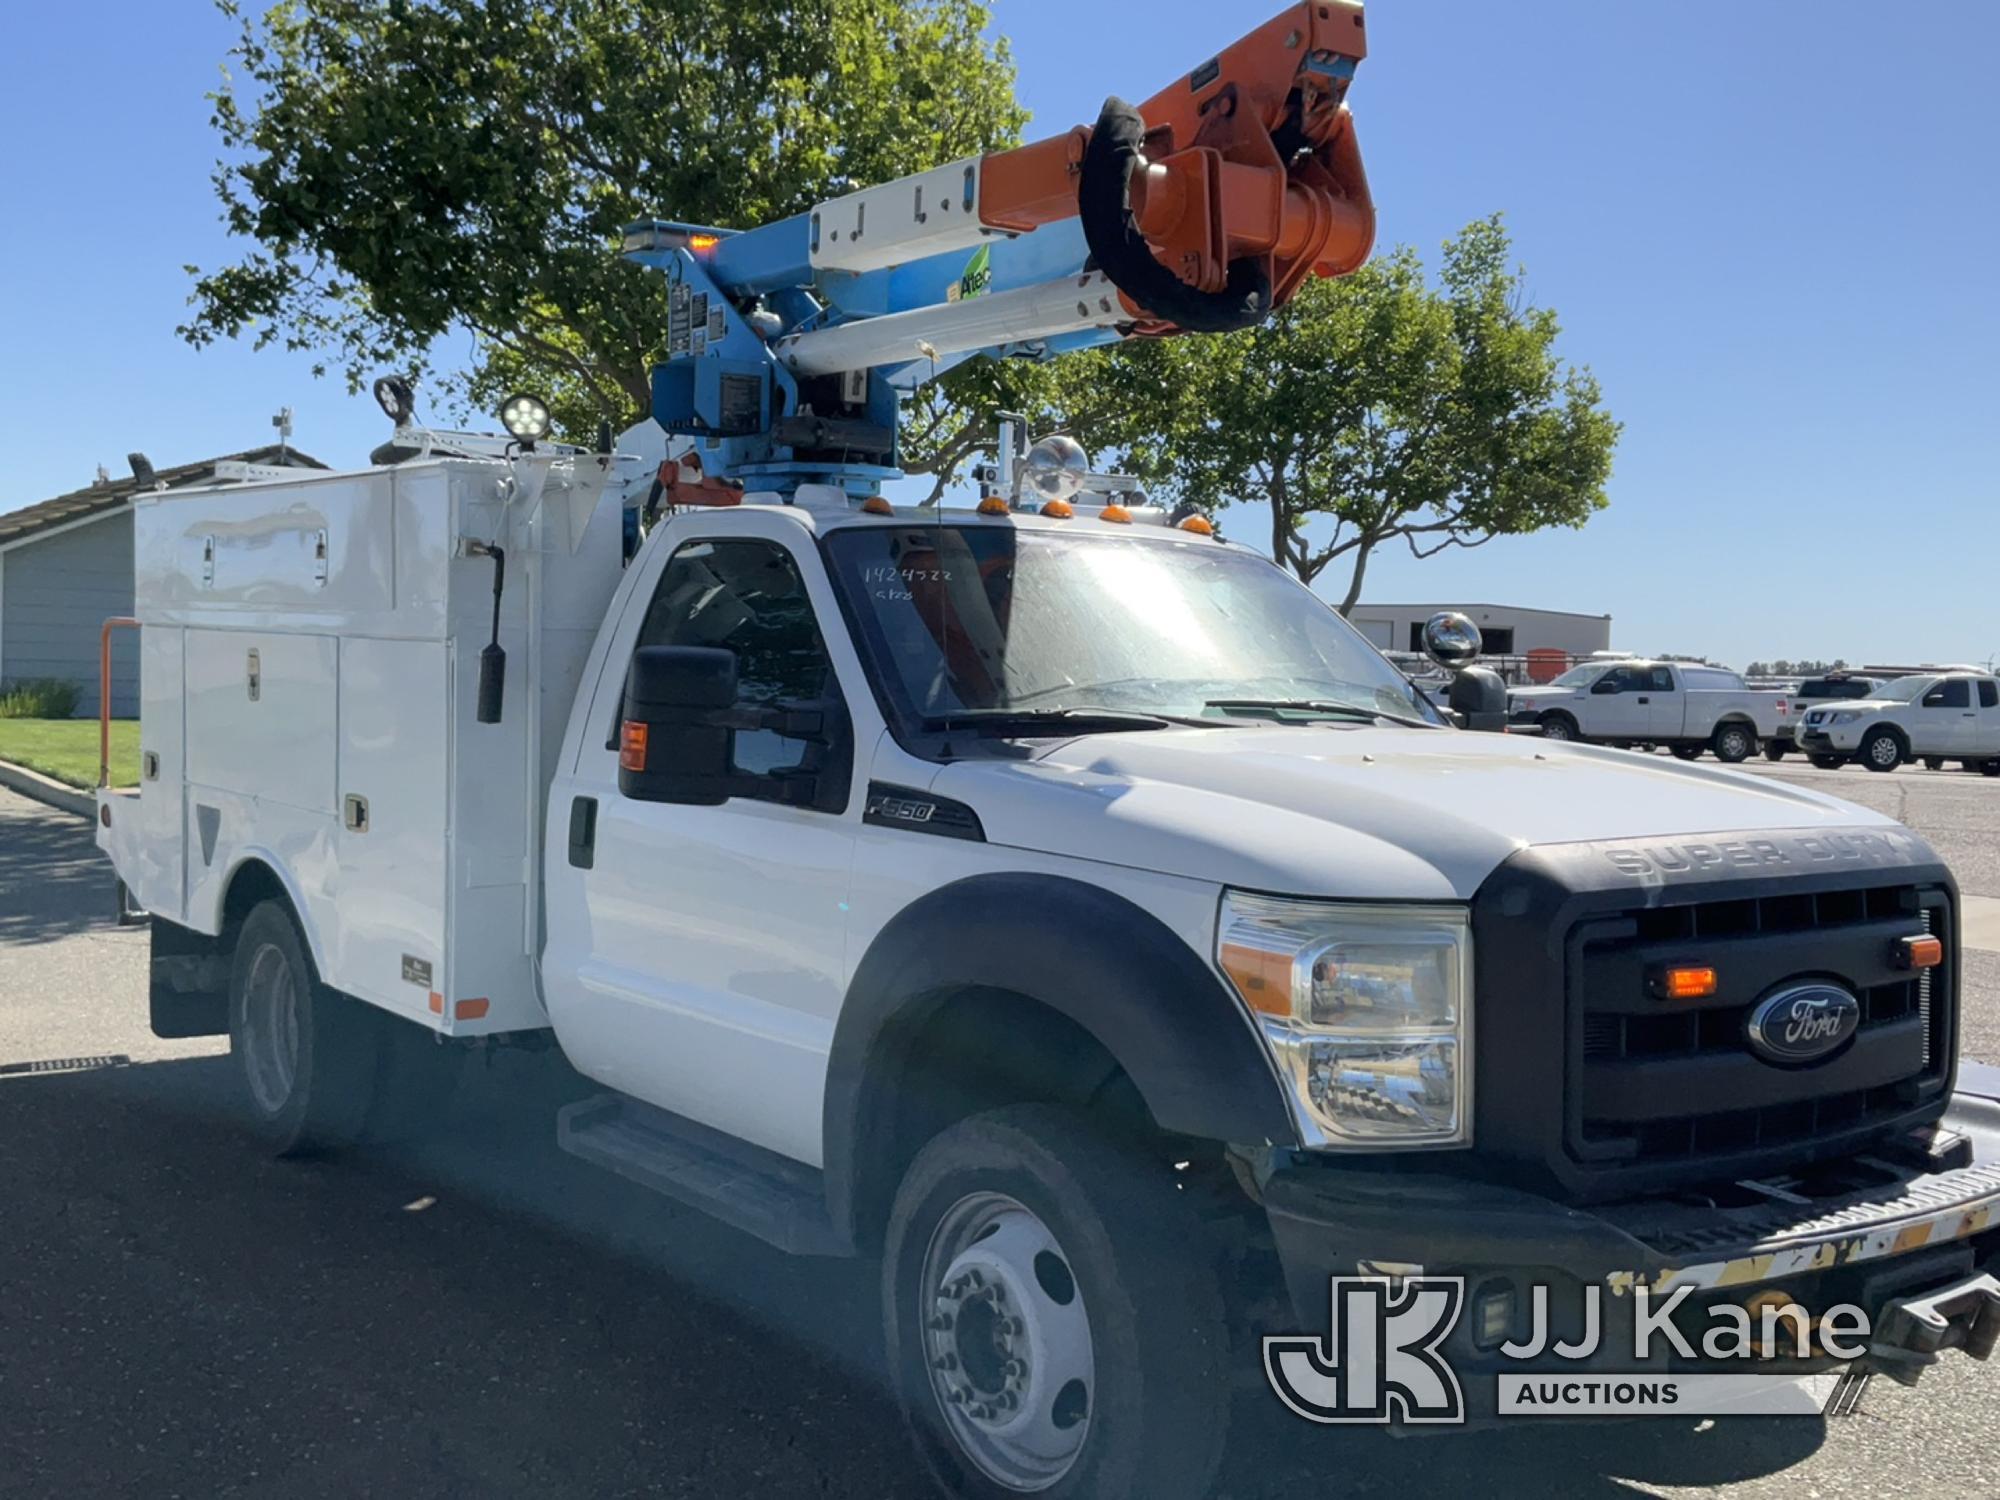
column 1685, row 982
column 632, row 746
column 1924, row 952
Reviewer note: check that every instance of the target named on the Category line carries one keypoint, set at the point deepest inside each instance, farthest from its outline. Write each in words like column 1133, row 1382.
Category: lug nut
column 1007, row 1401
column 942, row 1323
column 1014, row 1369
column 955, row 1396
column 945, row 1362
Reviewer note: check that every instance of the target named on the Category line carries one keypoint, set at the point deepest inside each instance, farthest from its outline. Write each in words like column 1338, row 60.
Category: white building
column 1509, row 630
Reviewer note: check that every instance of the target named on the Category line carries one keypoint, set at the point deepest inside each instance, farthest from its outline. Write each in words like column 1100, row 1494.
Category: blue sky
column 1772, row 229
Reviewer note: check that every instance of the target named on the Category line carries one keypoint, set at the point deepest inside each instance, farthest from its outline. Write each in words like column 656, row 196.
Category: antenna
column 283, row 422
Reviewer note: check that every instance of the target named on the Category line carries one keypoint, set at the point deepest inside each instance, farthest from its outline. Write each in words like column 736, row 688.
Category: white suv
column 1933, row 717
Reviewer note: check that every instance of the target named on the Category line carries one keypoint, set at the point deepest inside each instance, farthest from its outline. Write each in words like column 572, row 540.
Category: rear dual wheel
column 1054, row 1327
column 318, row 1069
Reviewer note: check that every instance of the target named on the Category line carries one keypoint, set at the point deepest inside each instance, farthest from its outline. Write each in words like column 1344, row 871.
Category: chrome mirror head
column 1452, row 640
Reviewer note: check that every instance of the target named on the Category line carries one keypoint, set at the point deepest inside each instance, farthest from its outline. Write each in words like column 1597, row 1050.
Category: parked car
column 1835, row 685
column 1937, row 717
column 1686, row 707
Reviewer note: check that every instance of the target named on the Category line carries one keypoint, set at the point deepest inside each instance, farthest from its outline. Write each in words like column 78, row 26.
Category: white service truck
column 1070, row 910
column 1686, row 707
column 1935, row 717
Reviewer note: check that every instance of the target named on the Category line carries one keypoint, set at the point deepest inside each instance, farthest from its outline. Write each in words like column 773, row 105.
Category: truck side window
column 1660, row 680
column 1989, row 694
column 746, row 596
column 1957, row 693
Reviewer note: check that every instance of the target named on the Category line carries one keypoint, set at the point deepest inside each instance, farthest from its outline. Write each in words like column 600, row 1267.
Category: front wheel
column 1054, row 1326
column 1882, row 751
column 1559, row 727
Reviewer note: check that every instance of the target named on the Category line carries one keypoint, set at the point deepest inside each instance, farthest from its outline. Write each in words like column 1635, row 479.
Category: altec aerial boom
column 1199, row 211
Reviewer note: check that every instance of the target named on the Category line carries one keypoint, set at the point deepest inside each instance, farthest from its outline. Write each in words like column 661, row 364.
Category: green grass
column 67, row 749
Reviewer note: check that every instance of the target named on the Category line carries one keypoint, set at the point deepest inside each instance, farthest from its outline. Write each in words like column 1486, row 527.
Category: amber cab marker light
column 1686, row 982
column 632, row 747
column 1925, row 952
column 1059, row 510
column 875, row 505
column 1117, row 515
column 993, row 505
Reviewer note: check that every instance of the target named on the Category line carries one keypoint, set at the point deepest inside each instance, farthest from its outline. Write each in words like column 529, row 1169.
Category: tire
column 1933, row 762
column 1776, row 750
column 1685, row 752
column 306, row 1056
column 1734, row 743
column 1118, row 1334
column 1560, row 728
column 1882, row 750
column 1827, row 762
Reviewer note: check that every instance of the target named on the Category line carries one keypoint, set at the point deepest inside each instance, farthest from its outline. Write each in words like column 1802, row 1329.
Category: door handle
column 1645, row 700
column 583, row 833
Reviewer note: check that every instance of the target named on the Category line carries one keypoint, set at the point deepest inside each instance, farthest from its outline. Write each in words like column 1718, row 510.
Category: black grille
column 1658, row 1082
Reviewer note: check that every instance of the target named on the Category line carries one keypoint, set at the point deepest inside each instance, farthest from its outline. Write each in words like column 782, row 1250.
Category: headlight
column 1844, row 716
column 1368, row 1011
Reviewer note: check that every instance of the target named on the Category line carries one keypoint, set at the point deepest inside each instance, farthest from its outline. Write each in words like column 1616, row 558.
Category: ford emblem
column 1803, row 1023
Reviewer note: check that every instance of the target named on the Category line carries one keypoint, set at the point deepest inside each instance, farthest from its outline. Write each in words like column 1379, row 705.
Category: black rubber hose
column 1121, row 251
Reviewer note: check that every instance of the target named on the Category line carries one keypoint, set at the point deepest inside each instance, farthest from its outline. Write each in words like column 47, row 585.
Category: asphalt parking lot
column 483, row 1316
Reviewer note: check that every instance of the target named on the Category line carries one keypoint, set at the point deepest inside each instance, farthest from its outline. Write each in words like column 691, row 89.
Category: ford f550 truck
column 1049, row 898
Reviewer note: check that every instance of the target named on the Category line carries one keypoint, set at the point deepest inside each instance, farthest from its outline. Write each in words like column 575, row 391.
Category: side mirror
column 676, row 743
column 1479, row 699
column 1452, row 640
column 1605, row 686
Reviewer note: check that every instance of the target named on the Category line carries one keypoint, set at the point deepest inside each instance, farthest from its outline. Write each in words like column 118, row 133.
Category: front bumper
column 1843, row 739
column 1910, row 1249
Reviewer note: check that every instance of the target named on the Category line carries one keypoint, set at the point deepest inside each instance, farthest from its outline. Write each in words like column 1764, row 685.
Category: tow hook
column 1913, row 1331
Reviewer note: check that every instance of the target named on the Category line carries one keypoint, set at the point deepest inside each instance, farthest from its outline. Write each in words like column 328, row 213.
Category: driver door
column 1616, row 710
column 1945, row 722
column 696, row 957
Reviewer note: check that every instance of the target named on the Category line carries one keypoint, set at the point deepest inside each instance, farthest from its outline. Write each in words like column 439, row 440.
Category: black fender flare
column 1088, row 954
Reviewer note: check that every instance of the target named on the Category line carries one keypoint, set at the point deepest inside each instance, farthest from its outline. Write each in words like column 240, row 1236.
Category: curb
column 39, row 788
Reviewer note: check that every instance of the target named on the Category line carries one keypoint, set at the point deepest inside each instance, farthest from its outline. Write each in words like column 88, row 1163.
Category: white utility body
column 1686, row 706
column 309, row 673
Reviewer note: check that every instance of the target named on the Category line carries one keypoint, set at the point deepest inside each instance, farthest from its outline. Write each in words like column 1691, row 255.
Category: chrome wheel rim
column 1555, row 729
column 1007, row 1340
column 270, row 1026
column 1883, row 752
column 1736, row 745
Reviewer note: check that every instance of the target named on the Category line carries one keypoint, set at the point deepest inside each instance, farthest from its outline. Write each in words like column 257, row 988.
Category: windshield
column 1578, row 676
column 970, row 619
column 1905, row 689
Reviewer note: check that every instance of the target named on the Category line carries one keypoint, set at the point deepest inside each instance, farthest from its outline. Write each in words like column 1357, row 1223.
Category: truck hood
column 1358, row 813
column 1848, row 705
column 1539, row 694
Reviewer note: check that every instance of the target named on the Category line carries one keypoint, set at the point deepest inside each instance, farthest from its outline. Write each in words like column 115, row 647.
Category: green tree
column 408, row 168
column 1391, row 409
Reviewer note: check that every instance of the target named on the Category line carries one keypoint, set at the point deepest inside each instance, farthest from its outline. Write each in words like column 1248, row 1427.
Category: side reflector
column 632, row 746
column 1925, row 952
column 1686, row 982
column 437, row 1003
column 472, row 1010
column 1264, row 980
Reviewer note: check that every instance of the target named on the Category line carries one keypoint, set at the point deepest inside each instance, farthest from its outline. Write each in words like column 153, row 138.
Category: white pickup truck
column 1935, row 717
column 1071, row 911
column 1687, row 708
